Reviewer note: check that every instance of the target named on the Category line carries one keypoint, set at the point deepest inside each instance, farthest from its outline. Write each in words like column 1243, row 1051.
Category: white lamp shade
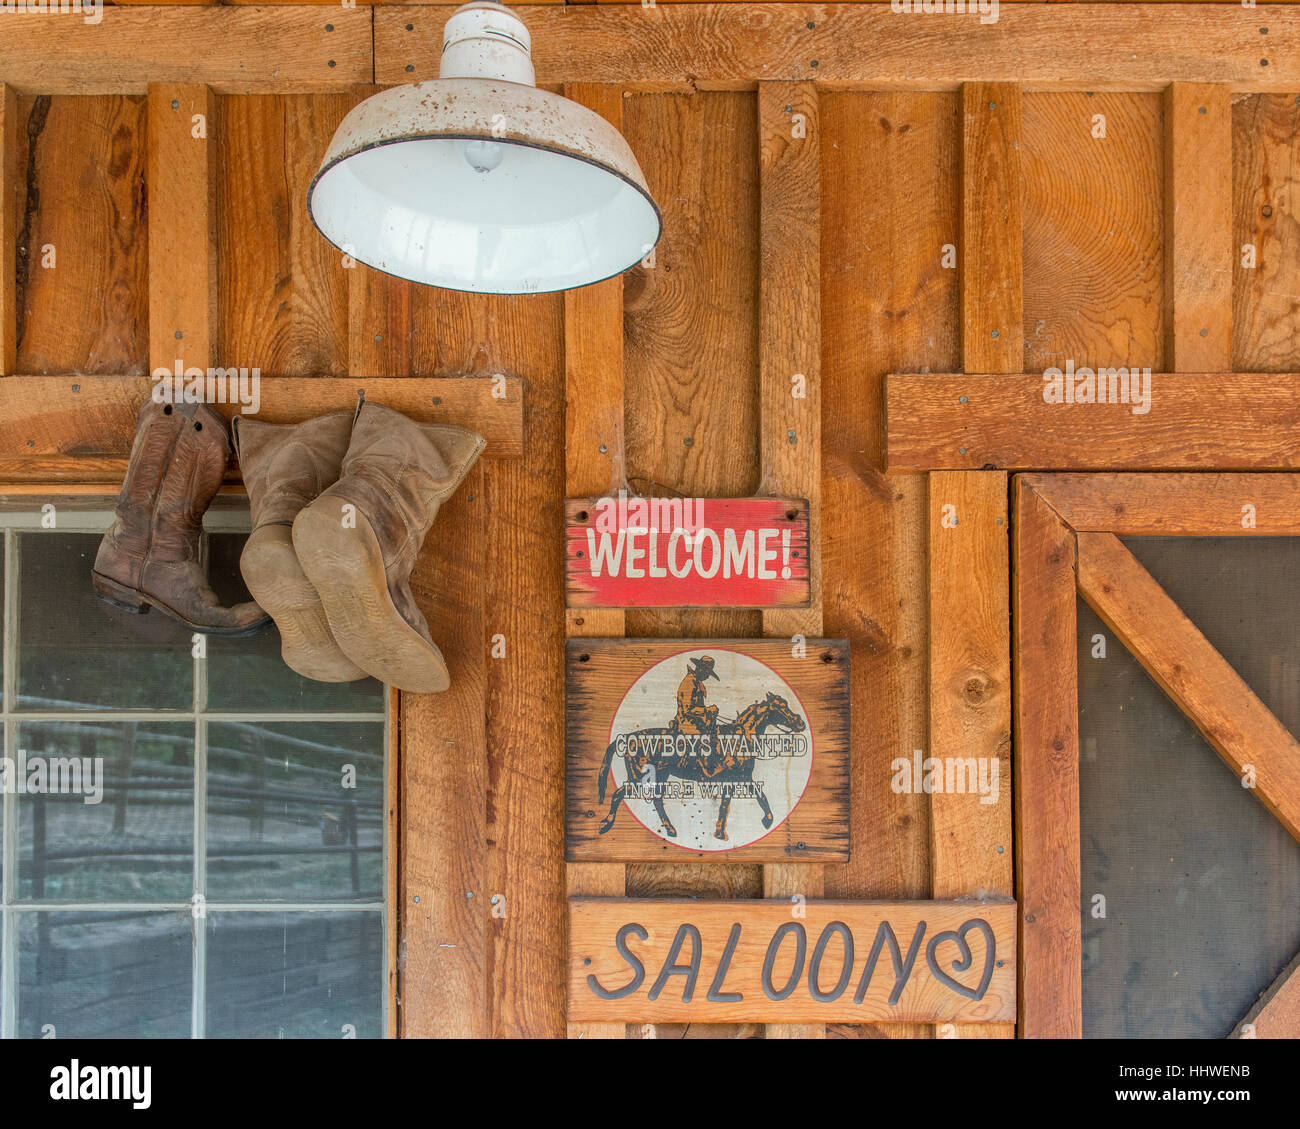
column 484, row 185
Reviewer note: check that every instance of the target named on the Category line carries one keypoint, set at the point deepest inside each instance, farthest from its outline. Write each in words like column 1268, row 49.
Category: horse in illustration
column 654, row 754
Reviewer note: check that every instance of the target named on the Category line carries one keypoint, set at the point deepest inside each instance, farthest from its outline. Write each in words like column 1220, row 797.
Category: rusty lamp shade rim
column 478, row 181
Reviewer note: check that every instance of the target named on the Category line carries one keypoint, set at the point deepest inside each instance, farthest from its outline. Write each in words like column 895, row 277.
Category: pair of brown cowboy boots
column 340, row 506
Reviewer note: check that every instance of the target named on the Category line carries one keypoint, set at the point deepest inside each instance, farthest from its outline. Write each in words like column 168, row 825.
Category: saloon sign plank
column 680, row 749
column 686, row 552
column 686, row 960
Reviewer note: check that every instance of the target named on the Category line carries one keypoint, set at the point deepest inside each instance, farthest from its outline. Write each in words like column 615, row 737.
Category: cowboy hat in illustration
column 702, row 667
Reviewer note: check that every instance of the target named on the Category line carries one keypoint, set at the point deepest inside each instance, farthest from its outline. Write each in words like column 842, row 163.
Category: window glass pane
column 97, row 975
column 120, row 826
column 77, row 652
column 295, row 811
column 294, row 975
column 248, row 675
column 1201, row 883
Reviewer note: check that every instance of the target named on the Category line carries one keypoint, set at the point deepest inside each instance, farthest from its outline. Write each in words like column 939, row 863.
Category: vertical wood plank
column 691, row 362
column 789, row 356
column 285, row 294
column 442, row 831
column 969, row 557
column 1094, row 243
column 1048, row 864
column 8, row 230
column 594, row 465
column 1198, row 228
column 1266, row 243
column 181, row 179
column 992, row 266
column 888, row 304
column 83, row 244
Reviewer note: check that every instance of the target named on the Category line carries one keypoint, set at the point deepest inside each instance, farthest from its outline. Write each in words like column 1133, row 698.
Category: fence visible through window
column 194, row 837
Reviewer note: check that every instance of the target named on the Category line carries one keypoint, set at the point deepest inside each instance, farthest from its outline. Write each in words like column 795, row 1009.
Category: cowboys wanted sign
column 791, row 961
column 678, row 749
column 686, row 552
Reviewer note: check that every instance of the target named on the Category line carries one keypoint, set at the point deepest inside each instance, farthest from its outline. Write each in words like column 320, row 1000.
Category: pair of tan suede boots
column 339, row 505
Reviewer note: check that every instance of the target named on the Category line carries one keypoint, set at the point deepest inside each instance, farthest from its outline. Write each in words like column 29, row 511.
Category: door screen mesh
column 1201, row 885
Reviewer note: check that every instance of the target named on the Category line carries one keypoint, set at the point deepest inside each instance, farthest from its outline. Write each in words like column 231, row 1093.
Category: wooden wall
column 481, row 787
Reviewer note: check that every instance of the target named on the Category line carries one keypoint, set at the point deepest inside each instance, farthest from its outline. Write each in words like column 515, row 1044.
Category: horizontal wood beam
column 1198, row 679
column 1174, row 505
column 732, row 46
column 1277, row 1013
column 1194, row 421
column 234, row 50
column 79, row 428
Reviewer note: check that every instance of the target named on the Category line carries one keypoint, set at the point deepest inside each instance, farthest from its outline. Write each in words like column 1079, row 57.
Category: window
column 193, row 836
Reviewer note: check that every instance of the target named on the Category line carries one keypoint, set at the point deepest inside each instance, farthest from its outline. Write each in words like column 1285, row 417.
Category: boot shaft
column 399, row 472
column 286, row 466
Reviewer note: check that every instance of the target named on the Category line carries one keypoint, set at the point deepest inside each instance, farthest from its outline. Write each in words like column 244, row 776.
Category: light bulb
column 484, row 156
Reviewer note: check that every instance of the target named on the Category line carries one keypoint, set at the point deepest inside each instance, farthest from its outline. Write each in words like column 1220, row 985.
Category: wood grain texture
column 970, row 679
column 691, row 338
column 1046, row 704
column 956, row 960
column 288, row 302
column 182, row 224
column 233, row 50
column 1195, row 676
column 969, row 564
column 522, row 336
column 887, row 302
column 9, row 170
column 1277, row 1014
column 711, row 46
column 445, row 935
column 620, row 698
column 992, row 302
column 1197, row 421
column 1094, row 238
column 789, row 349
column 1174, row 505
column 83, row 244
column 70, row 427
column 790, row 440
column 1266, row 220
column 595, row 462
column 1198, row 228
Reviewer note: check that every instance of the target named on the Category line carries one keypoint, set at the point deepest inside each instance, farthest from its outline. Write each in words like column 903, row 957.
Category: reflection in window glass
column 295, row 811
column 99, row 975
column 120, row 828
column 145, row 837
column 294, row 975
column 77, row 652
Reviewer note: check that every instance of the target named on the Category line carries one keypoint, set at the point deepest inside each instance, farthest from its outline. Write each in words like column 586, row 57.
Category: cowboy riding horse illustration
column 723, row 751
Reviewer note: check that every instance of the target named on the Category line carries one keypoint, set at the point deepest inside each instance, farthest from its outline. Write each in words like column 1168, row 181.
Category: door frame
column 1066, row 543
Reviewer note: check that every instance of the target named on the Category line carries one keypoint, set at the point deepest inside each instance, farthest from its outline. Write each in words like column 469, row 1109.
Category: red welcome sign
column 686, row 552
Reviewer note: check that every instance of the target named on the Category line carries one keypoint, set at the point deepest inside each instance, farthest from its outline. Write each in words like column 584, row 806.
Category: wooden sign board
column 686, row 552
column 683, row 960
column 681, row 749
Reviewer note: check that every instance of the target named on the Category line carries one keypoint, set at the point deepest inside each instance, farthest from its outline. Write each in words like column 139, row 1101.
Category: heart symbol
column 964, row 961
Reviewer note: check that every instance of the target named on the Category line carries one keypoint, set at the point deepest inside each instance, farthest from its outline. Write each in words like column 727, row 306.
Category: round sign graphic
column 711, row 750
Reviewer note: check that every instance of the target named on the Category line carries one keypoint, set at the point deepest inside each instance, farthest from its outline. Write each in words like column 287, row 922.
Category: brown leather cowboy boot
column 285, row 466
column 150, row 555
column 358, row 541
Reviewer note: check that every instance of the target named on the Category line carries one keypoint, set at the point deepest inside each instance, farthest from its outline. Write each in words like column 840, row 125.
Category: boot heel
column 118, row 595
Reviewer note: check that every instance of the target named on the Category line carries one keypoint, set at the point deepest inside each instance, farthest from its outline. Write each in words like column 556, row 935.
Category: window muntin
column 229, row 881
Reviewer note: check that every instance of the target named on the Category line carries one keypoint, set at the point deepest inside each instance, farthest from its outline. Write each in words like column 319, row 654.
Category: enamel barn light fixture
column 480, row 181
